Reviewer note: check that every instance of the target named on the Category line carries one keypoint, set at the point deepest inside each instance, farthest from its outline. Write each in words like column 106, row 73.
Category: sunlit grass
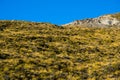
column 42, row 51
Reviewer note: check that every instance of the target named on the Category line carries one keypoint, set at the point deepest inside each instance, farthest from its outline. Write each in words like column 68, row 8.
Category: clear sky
column 56, row 11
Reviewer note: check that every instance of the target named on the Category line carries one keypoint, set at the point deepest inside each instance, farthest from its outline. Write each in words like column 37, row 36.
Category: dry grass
column 42, row 51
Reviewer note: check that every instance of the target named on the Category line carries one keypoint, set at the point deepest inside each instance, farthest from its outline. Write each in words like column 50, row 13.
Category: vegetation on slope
column 117, row 16
column 42, row 51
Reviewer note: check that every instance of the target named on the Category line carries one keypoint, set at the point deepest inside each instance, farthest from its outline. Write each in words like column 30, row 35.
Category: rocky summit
column 102, row 21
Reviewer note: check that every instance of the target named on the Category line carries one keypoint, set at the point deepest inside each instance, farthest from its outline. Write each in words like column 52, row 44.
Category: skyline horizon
column 64, row 23
column 56, row 12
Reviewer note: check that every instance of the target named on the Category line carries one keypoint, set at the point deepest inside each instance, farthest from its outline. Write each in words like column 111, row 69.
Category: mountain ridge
column 108, row 20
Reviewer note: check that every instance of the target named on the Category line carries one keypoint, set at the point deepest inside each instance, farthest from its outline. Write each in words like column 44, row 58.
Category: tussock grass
column 42, row 51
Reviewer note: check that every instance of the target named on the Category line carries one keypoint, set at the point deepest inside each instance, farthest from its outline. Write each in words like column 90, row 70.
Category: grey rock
column 102, row 21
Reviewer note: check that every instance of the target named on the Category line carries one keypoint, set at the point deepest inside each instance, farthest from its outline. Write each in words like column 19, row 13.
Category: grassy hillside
column 42, row 51
column 117, row 16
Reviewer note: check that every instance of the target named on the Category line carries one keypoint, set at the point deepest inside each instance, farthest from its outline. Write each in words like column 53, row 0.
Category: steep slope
column 43, row 51
column 102, row 21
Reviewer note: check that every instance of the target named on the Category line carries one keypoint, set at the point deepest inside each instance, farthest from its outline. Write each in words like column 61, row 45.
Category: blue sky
column 56, row 11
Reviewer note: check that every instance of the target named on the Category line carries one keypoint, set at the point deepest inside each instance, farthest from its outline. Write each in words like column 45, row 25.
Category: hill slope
column 110, row 20
column 42, row 51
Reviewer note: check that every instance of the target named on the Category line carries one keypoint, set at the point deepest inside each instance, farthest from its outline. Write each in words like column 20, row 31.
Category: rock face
column 102, row 21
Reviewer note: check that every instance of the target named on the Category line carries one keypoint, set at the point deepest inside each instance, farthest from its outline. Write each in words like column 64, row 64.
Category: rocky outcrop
column 102, row 21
